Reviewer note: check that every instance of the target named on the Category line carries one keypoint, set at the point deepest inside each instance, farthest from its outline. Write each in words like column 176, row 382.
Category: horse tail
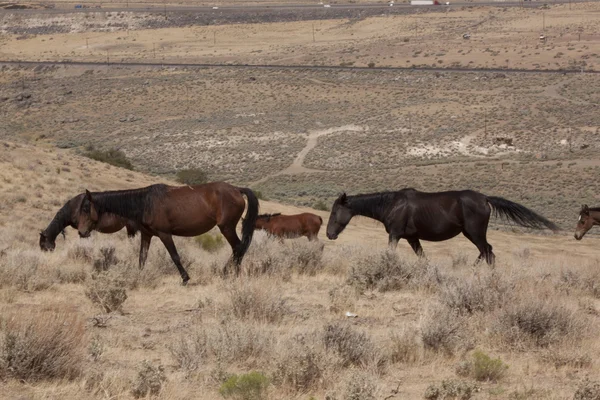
column 320, row 220
column 132, row 229
column 248, row 224
column 523, row 216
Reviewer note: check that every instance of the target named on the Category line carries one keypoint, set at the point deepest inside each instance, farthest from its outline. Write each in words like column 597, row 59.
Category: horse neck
column 61, row 220
column 372, row 206
column 129, row 204
column 595, row 216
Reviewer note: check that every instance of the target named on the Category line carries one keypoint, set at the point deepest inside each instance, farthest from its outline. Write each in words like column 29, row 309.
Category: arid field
column 349, row 320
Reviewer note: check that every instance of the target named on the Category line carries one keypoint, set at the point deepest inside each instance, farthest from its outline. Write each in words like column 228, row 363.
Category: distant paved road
column 267, row 8
column 298, row 67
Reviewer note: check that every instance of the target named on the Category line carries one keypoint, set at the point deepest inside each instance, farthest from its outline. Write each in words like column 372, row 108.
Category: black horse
column 68, row 215
column 415, row 215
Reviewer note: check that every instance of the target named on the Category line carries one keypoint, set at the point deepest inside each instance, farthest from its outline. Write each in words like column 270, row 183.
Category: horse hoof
column 185, row 282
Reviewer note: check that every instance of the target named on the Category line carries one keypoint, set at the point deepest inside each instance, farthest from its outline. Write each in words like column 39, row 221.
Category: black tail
column 248, row 225
column 523, row 216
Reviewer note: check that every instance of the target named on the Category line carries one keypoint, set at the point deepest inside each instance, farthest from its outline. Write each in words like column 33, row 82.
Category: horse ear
column 88, row 195
column 42, row 234
column 585, row 209
column 343, row 198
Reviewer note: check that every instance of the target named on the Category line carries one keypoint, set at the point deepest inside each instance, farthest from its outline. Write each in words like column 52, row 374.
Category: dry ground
column 290, row 306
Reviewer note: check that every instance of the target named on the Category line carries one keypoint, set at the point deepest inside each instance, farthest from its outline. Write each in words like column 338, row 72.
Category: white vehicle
column 327, row 6
column 424, row 3
column 215, row 8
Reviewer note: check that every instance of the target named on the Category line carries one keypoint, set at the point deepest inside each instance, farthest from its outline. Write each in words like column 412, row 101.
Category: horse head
column 87, row 218
column 584, row 223
column 340, row 216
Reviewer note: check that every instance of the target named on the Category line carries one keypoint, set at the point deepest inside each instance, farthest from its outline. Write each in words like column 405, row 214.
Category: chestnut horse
column 290, row 226
column 164, row 211
column 415, row 216
column 67, row 216
column 588, row 217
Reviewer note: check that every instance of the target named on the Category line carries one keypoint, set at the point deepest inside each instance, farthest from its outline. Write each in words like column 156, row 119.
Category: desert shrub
column 343, row 298
column 42, row 346
column 467, row 296
column 586, row 282
column 321, row 206
column 149, row 380
column 587, row 390
column 190, row 352
column 192, row 176
column 451, row 389
column 228, row 342
column 80, row 253
column 113, row 157
column 95, row 348
column 107, row 291
column 210, row 242
column 305, row 257
column 563, row 357
column 383, row 271
column 300, row 365
column 360, row 386
column 24, row 271
column 107, row 259
column 250, row 386
column 405, row 347
column 260, row 195
column 353, row 347
column 538, row 323
column 443, row 330
column 256, row 301
column 483, row 368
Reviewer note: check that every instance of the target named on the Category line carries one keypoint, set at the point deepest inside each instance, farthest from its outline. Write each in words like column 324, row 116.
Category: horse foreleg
column 393, row 242
column 170, row 245
column 144, row 245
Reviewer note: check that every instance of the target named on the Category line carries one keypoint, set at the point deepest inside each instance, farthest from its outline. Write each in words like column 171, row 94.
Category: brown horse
column 588, row 217
column 290, row 226
column 163, row 211
column 68, row 216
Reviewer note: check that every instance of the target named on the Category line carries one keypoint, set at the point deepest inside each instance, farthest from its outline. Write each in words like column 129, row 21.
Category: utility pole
column 154, row 49
column 485, row 123
column 313, row 26
column 544, row 22
column 107, row 58
column 215, row 38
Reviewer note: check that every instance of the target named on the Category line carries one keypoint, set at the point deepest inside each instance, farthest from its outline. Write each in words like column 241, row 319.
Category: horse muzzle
column 332, row 236
column 578, row 236
column 85, row 235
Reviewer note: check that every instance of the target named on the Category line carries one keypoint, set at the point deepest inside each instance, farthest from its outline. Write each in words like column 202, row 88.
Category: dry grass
column 42, row 346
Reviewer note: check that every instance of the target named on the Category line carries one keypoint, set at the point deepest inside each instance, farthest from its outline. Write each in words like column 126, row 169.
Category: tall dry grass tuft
column 255, row 300
column 302, row 363
column 405, row 347
column 476, row 294
column 383, row 271
column 107, row 291
column 40, row 346
column 226, row 343
column 352, row 346
column 25, row 271
column 149, row 380
column 531, row 321
column 443, row 330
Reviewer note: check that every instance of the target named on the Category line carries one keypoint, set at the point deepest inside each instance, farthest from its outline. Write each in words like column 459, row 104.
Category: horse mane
column 131, row 204
column 268, row 216
column 61, row 220
column 373, row 204
column 594, row 208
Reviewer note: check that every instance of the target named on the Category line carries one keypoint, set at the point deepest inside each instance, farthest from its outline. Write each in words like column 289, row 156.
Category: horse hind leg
column 234, row 241
column 416, row 246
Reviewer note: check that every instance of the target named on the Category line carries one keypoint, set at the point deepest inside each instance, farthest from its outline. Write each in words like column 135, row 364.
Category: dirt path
column 297, row 166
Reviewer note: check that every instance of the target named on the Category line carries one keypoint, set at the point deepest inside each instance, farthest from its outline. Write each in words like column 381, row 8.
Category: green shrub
column 210, row 242
column 113, row 157
column 149, row 381
column 192, row 176
column 250, row 386
column 483, row 368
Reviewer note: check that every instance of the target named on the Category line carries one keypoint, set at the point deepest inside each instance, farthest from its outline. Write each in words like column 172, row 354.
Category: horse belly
column 438, row 233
